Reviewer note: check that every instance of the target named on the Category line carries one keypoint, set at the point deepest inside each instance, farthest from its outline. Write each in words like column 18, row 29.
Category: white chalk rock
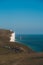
column 12, row 38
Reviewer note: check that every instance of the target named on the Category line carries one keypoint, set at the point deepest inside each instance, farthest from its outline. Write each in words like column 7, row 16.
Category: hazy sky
column 23, row 16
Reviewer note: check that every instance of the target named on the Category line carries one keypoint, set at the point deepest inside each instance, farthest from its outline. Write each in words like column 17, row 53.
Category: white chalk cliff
column 12, row 38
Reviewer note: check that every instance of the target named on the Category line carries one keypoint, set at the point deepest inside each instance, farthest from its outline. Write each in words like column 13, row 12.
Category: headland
column 14, row 53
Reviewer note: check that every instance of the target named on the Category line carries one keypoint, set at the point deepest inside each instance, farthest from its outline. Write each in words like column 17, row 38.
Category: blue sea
column 35, row 42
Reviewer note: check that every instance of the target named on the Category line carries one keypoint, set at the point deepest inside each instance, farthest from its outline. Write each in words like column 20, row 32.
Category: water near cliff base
column 35, row 42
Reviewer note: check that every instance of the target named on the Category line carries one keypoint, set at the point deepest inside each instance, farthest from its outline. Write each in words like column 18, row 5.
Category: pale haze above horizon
column 22, row 16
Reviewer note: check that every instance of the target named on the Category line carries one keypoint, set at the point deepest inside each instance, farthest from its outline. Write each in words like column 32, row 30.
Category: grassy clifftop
column 5, row 35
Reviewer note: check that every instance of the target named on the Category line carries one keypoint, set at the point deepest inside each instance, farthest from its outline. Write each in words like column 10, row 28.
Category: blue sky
column 22, row 16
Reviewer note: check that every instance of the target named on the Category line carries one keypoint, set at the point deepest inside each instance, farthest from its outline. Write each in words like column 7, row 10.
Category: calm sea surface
column 35, row 42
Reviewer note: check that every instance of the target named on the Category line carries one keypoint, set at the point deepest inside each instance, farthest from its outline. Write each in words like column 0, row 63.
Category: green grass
column 9, row 57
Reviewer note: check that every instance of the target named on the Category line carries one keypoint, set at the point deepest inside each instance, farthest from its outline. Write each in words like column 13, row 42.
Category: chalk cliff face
column 7, row 35
column 12, row 38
